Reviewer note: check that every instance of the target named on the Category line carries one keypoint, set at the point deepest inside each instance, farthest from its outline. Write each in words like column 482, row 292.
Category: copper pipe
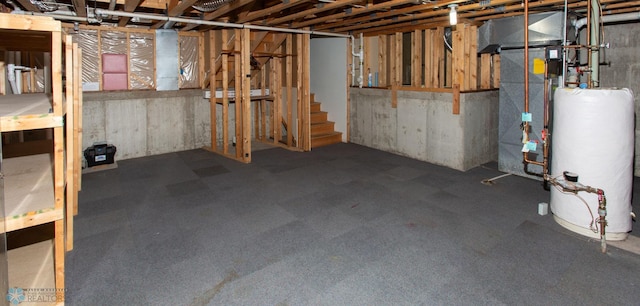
column 589, row 43
column 526, row 59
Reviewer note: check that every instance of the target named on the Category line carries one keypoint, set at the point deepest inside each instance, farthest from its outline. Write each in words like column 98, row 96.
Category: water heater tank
column 593, row 136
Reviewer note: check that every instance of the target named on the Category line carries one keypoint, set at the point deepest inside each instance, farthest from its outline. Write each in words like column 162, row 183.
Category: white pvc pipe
column 594, row 40
column 11, row 77
column 580, row 23
column 15, row 77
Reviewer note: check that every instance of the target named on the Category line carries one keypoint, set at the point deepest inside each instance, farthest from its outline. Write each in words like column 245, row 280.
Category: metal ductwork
column 544, row 29
column 210, row 5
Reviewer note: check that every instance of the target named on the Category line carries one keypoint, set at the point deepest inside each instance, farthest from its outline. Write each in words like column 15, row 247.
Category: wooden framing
column 444, row 71
column 265, row 119
column 33, row 199
column 416, row 54
column 382, row 60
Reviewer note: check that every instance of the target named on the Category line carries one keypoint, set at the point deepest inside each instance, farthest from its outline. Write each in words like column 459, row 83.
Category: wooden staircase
column 322, row 130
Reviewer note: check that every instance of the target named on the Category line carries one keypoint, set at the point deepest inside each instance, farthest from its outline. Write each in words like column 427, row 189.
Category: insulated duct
column 209, row 5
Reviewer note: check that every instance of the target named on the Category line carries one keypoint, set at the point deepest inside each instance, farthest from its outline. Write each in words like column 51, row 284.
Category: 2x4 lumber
column 401, row 15
column 353, row 12
column 416, row 64
column 78, row 125
column 289, row 81
column 263, row 104
column 237, row 80
column 473, row 57
column 58, row 259
column 276, row 84
column 306, row 86
column 201, row 61
column 300, row 94
column 221, row 11
column 33, row 23
column 438, row 64
column 175, row 10
column 383, row 59
column 2, row 75
column 318, row 9
column 398, row 58
column 496, row 70
column 392, row 60
column 251, row 16
column 70, row 153
column 56, row 72
column 485, row 71
column 366, row 49
column 129, row 6
column 225, row 96
column 457, row 57
column 348, row 76
column 428, row 58
column 212, row 90
column 245, row 76
column 456, row 99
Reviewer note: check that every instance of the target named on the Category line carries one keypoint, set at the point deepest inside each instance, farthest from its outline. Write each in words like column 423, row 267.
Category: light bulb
column 453, row 14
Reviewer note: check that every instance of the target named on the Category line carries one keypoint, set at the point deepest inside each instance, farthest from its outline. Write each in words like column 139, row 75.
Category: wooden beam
column 400, row 15
column 129, row 6
column 251, row 16
column 353, row 12
column 319, row 9
column 79, row 7
column 27, row 5
column 175, row 9
column 221, row 11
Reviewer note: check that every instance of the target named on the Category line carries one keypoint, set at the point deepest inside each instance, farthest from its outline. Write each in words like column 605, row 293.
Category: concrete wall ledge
column 423, row 125
column 144, row 123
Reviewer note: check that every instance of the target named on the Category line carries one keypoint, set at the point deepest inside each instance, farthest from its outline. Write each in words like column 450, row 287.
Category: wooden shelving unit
column 42, row 188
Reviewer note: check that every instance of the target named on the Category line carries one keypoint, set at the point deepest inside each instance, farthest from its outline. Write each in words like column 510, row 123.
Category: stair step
column 326, row 139
column 315, row 107
column 322, row 128
column 318, row 117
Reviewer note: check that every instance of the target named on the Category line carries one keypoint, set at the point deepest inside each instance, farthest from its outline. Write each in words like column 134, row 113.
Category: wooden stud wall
column 265, row 120
column 383, row 60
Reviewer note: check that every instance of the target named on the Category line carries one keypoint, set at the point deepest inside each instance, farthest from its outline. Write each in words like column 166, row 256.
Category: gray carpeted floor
column 341, row 225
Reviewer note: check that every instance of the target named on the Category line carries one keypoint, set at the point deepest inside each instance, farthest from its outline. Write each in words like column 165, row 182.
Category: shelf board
column 31, row 269
column 29, row 191
column 27, row 112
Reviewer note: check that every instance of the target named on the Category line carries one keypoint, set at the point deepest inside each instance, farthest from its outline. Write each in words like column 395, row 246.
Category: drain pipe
column 360, row 56
column 14, row 77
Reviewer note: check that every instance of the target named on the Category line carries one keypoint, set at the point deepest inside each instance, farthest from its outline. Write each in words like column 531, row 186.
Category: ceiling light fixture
column 453, row 14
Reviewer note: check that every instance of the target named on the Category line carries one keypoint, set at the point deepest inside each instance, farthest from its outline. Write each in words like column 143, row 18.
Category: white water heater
column 593, row 137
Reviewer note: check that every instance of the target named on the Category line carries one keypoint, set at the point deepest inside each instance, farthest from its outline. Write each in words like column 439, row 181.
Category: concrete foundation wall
column 423, row 126
column 624, row 68
column 147, row 122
